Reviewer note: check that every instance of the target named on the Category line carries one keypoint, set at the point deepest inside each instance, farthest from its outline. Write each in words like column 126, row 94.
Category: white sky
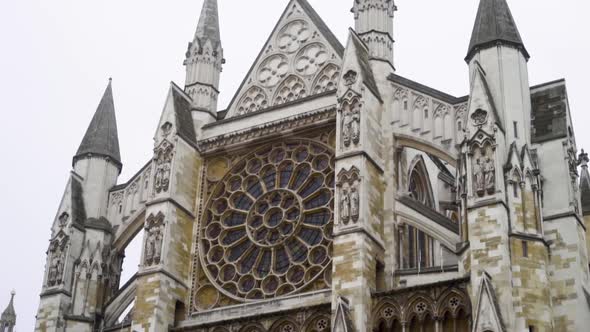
column 57, row 56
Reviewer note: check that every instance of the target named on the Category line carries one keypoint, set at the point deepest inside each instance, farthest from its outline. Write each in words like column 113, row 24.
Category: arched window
column 405, row 113
column 416, row 248
column 448, row 124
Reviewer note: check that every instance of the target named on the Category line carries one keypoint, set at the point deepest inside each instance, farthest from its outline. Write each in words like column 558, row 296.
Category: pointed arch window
column 416, row 248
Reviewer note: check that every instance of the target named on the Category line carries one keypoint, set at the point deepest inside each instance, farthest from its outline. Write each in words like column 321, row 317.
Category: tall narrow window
column 515, row 189
column 525, row 249
column 515, row 129
column 426, row 113
column 405, row 105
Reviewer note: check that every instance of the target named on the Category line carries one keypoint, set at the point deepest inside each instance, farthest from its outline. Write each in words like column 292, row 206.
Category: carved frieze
column 280, row 126
column 154, row 237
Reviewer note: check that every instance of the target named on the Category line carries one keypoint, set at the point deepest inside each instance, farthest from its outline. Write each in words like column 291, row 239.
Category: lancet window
column 416, row 248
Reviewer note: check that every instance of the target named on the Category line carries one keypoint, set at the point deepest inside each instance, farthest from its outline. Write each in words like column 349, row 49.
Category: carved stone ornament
column 351, row 123
column 350, row 77
column 484, row 171
column 57, row 257
column 163, row 161
column 273, row 70
column 479, row 117
column 349, row 193
column 63, row 219
column 293, row 35
column 166, row 129
column 299, row 121
column 154, row 237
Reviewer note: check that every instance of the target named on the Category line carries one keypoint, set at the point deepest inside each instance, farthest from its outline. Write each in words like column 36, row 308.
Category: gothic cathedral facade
column 333, row 195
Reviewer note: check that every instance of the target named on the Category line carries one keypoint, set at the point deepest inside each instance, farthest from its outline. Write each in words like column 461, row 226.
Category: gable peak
column 300, row 59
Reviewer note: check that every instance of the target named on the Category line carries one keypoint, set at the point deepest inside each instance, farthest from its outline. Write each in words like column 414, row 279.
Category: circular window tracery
column 267, row 228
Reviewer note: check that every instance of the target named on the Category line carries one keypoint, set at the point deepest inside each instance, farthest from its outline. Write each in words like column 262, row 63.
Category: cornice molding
column 299, row 121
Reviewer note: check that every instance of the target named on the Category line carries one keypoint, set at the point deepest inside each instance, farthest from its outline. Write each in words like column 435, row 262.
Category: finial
column 110, row 79
column 583, row 159
column 13, row 293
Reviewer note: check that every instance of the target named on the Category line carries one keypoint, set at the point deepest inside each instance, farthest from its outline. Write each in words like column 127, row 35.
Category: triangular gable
column 356, row 68
column 71, row 209
column 176, row 118
column 342, row 321
column 481, row 99
column 301, row 58
column 487, row 314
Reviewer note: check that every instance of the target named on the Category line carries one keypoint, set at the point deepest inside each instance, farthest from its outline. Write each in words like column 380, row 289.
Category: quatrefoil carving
column 293, row 35
column 311, row 59
column 273, row 70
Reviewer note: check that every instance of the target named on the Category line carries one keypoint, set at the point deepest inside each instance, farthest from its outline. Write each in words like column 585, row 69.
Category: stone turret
column 374, row 24
column 98, row 160
column 73, row 294
column 508, row 255
column 8, row 318
column 204, row 60
column 497, row 48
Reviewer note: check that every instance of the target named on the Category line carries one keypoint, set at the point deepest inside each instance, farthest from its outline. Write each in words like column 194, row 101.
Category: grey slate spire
column 585, row 183
column 101, row 137
column 208, row 27
column 494, row 24
column 8, row 318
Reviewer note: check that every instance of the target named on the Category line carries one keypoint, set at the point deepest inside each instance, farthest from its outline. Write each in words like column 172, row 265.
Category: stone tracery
column 267, row 228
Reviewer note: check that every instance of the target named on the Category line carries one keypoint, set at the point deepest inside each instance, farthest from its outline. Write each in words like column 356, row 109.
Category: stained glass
column 269, row 223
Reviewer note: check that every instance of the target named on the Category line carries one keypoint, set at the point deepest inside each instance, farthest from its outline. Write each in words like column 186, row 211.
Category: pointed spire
column 8, row 318
column 584, row 182
column 101, row 137
column 208, row 27
column 494, row 24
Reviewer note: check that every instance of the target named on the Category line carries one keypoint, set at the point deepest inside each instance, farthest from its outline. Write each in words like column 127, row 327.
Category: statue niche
column 163, row 161
column 57, row 256
column 154, row 238
column 349, row 189
column 483, row 170
column 351, row 123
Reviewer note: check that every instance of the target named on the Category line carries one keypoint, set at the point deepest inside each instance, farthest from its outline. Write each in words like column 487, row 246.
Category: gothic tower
column 76, row 276
column 8, row 318
column 374, row 24
column 509, row 232
column 204, row 60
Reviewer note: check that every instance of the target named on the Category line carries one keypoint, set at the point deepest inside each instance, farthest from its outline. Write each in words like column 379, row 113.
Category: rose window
column 267, row 228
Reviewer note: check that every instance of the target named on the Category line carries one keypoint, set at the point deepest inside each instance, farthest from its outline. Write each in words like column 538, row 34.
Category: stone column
column 358, row 244
column 164, row 276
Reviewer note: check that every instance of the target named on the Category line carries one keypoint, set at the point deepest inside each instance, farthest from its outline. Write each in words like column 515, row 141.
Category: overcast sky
column 57, row 57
